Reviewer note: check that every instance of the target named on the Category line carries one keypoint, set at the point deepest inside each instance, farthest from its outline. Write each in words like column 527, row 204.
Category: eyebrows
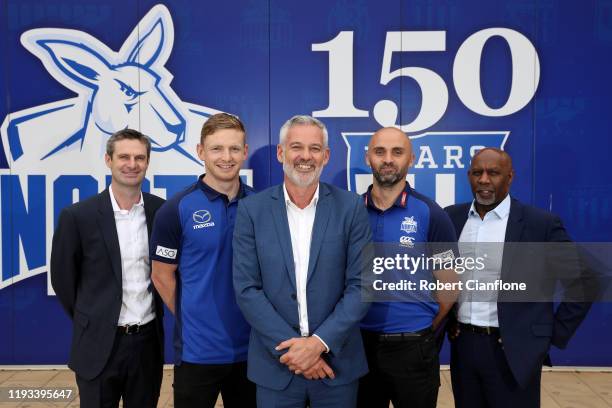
column 221, row 146
column 297, row 143
column 379, row 148
column 493, row 168
column 125, row 155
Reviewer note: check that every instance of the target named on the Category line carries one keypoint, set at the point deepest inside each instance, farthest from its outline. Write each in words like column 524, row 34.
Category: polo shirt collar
column 400, row 202
column 213, row 194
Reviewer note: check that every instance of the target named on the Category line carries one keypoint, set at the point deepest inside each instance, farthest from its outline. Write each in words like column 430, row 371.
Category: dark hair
column 221, row 121
column 129, row 134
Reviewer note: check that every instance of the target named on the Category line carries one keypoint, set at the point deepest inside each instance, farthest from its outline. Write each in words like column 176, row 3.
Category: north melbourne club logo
column 409, row 225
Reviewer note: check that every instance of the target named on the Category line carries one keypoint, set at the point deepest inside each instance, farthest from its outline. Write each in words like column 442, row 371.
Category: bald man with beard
column 399, row 336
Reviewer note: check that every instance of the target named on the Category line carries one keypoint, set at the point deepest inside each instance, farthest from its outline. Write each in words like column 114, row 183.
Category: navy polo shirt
column 412, row 219
column 194, row 230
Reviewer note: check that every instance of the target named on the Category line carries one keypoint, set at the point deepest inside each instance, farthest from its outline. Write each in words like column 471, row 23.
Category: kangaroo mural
column 64, row 141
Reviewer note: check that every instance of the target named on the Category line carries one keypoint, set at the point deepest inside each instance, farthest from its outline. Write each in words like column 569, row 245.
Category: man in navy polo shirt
column 399, row 336
column 191, row 247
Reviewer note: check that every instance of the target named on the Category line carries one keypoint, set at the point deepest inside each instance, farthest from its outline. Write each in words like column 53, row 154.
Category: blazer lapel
column 106, row 223
column 460, row 218
column 319, row 228
column 281, row 223
column 148, row 213
column 514, row 230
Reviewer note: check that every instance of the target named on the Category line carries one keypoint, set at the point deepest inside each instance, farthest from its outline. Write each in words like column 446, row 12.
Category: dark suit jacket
column 529, row 328
column 86, row 276
column 264, row 281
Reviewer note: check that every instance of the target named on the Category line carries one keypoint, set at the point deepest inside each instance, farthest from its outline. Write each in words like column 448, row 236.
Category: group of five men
column 266, row 288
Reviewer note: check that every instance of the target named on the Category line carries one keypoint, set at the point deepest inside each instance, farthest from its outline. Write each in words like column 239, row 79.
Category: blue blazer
column 264, row 282
column 528, row 329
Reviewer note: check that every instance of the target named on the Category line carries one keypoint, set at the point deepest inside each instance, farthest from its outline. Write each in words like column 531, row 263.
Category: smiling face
column 390, row 156
column 490, row 177
column 129, row 163
column 303, row 155
column 223, row 153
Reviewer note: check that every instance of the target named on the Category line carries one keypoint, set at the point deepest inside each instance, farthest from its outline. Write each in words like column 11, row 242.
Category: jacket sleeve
column 248, row 286
column 351, row 308
column 66, row 254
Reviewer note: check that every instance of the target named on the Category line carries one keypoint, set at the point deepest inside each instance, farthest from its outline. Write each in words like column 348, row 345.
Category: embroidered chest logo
column 406, row 241
column 409, row 225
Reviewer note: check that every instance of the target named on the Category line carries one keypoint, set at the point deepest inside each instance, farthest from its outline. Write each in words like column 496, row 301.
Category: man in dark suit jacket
column 299, row 249
column 100, row 272
column 498, row 348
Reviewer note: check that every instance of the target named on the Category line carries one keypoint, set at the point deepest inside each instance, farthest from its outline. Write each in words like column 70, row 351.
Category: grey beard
column 294, row 176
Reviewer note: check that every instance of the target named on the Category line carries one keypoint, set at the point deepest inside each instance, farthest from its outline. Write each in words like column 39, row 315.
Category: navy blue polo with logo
column 194, row 230
column 413, row 219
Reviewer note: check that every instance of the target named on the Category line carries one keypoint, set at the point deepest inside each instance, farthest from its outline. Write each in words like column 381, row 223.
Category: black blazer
column 529, row 328
column 86, row 276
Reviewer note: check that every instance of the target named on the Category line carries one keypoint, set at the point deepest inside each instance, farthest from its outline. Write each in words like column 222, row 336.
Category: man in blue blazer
column 299, row 249
column 498, row 348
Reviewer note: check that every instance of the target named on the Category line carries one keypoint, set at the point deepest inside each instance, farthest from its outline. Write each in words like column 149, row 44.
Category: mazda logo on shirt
column 202, row 219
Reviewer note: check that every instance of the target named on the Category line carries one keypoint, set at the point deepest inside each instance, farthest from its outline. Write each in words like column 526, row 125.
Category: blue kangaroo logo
column 128, row 88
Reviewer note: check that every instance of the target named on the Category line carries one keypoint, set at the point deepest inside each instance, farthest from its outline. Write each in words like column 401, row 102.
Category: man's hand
column 319, row 370
column 453, row 331
column 303, row 353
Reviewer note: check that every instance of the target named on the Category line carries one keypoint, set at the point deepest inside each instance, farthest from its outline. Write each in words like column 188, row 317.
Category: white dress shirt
column 301, row 222
column 491, row 229
column 137, row 299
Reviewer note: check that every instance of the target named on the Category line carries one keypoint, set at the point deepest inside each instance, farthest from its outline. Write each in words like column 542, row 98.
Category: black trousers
column 198, row 385
column 481, row 376
column 133, row 373
column 404, row 371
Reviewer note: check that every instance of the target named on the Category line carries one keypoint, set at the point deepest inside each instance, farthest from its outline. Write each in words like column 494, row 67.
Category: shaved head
column 390, row 156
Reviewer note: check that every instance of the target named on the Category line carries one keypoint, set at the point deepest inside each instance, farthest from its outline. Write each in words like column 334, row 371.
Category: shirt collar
column 313, row 202
column 114, row 203
column 502, row 210
column 213, row 194
column 401, row 201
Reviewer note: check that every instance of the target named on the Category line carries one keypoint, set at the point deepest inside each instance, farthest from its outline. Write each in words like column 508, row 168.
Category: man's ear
column 279, row 153
column 412, row 159
column 200, row 150
column 327, row 155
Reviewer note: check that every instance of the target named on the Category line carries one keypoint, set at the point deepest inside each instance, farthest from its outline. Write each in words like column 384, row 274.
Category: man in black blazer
column 498, row 348
column 100, row 272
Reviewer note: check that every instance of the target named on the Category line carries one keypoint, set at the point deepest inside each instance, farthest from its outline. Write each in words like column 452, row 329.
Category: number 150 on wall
column 466, row 76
